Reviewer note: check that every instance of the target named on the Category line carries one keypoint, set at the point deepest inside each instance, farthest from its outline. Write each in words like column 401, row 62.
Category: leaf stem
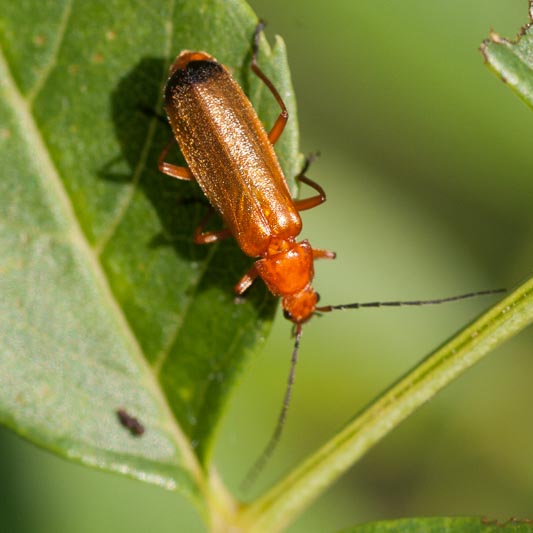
column 283, row 502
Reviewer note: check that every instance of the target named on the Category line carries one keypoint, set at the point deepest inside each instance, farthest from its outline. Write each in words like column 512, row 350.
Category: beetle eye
column 287, row 315
column 317, row 297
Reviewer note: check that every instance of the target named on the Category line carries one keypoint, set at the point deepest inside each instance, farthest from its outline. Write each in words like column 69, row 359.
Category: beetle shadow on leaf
column 134, row 113
column 136, row 118
column 142, row 132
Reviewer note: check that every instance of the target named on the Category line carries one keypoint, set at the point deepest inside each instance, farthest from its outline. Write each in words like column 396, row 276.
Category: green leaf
column 444, row 525
column 106, row 303
column 512, row 61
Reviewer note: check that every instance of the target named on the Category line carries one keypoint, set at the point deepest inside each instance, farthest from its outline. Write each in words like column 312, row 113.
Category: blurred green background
column 427, row 162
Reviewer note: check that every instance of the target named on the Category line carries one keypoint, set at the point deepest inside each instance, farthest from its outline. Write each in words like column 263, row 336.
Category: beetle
column 231, row 157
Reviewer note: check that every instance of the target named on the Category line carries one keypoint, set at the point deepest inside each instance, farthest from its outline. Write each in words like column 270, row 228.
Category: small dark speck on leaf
column 130, row 422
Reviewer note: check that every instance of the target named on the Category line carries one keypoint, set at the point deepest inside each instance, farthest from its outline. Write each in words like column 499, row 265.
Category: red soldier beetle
column 231, row 157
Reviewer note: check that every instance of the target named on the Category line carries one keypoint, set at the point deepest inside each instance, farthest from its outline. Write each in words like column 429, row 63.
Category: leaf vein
column 165, row 351
column 49, row 67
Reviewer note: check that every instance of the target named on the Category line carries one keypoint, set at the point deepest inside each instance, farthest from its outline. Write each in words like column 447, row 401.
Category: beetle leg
column 208, row 237
column 320, row 198
column 175, row 171
column 281, row 121
column 246, row 281
column 323, row 254
column 309, row 203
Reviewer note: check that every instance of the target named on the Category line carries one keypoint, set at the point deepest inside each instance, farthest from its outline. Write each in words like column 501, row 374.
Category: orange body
column 231, row 156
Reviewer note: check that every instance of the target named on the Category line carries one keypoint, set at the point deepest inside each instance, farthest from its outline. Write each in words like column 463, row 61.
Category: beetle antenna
column 265, row 456
column 327, row 308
